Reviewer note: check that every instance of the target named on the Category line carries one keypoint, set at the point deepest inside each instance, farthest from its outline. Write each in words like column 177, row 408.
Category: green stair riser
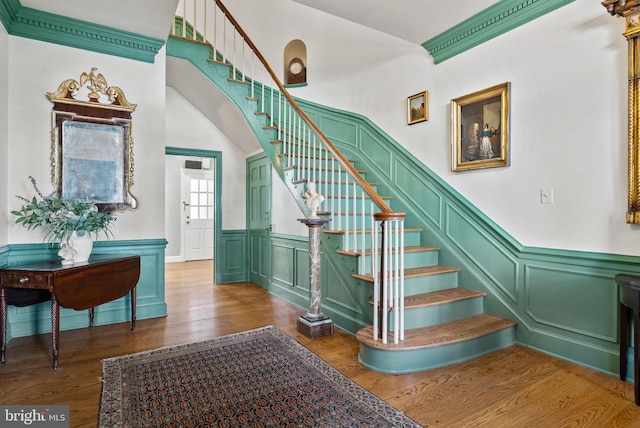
column 411, row 238
column 428, row 283
column 439, row 314
column 302, row 187
column 316, row 161
column 346, row 204
column 411, row 260
column 338, row 178
column 408, row 361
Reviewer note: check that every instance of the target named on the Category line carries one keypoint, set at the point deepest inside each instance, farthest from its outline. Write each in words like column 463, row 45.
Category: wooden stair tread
column 409, row 249
column 341, row 232
column 448, row 333
column 440, row 297
column 304, row 180
column 415, row 272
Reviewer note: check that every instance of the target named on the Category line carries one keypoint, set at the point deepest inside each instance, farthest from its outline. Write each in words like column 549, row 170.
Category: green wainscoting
column 565, row 302
column 290, row 268
column 344, row 299
column 150, row 297
column 233, row 268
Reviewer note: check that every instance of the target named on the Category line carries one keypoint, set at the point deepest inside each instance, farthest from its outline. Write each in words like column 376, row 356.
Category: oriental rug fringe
column 258, row 378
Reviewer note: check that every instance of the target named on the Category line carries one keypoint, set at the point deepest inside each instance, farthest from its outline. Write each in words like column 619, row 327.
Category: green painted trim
column 218, row 254
column 8, row 11
column 292, row 238
column 234, row 251
column 296, row 85
column 488, row 24
column 47, row 27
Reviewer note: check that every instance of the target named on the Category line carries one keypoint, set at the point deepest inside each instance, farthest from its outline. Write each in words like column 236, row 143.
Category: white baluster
column 385, row 283
column 401, row 276
column 376, row 278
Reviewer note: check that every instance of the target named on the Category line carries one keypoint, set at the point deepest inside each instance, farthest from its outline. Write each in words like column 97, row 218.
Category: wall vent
column 193, row 164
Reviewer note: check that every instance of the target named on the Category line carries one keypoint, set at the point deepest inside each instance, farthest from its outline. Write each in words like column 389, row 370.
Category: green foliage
column 60, row 218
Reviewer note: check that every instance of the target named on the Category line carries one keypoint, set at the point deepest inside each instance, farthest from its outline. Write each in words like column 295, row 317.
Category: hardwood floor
column 515, row 387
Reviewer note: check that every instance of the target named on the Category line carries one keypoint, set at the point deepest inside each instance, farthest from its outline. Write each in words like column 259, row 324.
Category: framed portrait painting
column 480, row 129
column 418, row 108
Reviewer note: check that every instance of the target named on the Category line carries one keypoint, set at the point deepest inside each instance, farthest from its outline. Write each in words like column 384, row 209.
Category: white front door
column 197, row 204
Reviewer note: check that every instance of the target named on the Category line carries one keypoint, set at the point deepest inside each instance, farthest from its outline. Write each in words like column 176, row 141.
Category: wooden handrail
column 366, row 187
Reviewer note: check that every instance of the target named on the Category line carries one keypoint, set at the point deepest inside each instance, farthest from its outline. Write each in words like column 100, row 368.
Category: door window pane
column 201, row 199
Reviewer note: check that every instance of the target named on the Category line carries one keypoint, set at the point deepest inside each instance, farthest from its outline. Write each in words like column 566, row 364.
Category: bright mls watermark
column 34, row 416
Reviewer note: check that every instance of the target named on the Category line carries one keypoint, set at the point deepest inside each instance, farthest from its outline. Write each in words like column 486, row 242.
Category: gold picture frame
column 418, row 108
column 480, row 129
column 91, row 143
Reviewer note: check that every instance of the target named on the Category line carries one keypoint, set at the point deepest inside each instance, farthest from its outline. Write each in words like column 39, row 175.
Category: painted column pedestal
column 314, row 323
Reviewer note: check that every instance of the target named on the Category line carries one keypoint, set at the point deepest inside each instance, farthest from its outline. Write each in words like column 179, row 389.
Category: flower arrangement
column 60, row 218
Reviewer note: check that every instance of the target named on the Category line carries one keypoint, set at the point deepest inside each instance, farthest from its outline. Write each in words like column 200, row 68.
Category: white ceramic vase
column 82, row 246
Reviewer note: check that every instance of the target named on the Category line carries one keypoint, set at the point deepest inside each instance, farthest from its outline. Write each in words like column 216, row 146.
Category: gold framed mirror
column 91, row 143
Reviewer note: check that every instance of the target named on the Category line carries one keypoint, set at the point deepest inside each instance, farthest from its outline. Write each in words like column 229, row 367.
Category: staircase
column 443, row 323
column 421, row 318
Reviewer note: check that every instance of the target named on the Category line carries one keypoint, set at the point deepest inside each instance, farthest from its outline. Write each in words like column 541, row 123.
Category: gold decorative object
column 91, row 143
column 630, row 10
column 97, row 85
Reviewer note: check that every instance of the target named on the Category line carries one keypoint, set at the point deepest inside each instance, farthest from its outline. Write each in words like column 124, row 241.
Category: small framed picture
column 480, row 129
column 418, row 108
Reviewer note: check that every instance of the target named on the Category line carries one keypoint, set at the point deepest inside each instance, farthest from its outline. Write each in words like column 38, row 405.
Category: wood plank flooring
column 515, row 387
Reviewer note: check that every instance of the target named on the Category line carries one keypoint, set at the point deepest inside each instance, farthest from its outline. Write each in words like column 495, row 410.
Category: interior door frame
column 216, row 156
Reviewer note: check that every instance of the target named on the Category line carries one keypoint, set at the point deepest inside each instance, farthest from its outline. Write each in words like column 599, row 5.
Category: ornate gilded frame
column 630, row 10
column 480, row 129
column 91, row 143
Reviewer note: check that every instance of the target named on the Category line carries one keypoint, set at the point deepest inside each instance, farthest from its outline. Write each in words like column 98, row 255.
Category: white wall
column 4, row 130
column 568, row 117
column 284, row 211
column 37, row 68
column 568, row 111
column 187, row 127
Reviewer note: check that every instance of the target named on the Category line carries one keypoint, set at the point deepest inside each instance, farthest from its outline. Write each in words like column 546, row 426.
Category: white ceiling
column 147, row 17
column 413, row 20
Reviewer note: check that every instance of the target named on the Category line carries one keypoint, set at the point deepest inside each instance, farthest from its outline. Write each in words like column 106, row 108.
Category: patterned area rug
column 259, row 378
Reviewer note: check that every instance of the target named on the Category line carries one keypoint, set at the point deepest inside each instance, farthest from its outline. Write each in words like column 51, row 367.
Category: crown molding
column 47, row 27
column 488, row 24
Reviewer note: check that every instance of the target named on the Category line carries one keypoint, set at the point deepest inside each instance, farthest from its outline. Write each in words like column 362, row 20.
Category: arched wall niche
column 295, row 63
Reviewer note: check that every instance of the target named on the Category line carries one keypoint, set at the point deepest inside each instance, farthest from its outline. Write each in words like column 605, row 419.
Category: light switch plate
column 546, row 195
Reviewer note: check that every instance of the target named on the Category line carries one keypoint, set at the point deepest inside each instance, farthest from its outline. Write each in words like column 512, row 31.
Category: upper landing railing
column 371, row 228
